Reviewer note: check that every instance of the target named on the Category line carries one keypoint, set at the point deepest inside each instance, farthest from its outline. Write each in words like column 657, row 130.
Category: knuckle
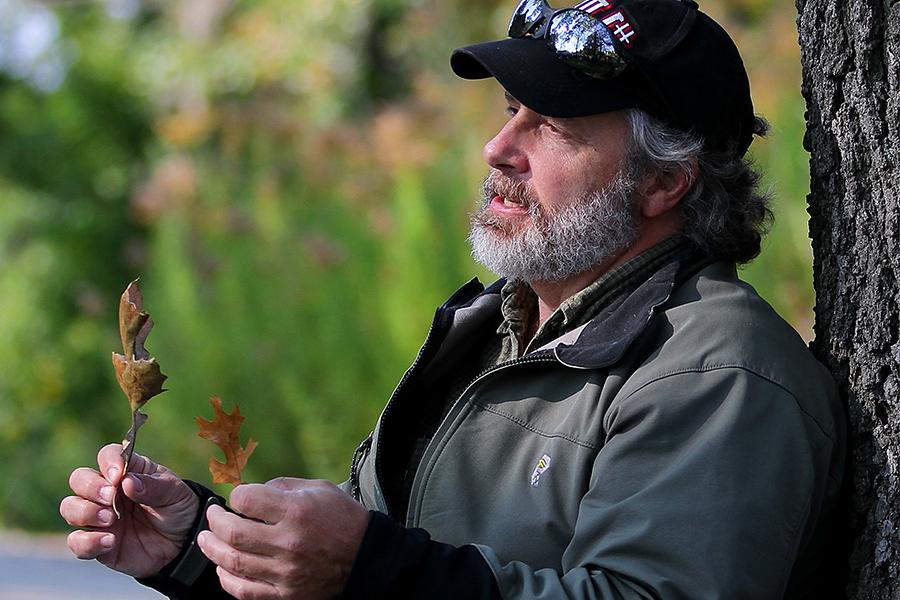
column 238, row 499
column 108, row 451
column 78, row 476
column 232, row 536
column 78, row 545
column 240, row 590
column 81, row 514
column 293, row 574
column 75, row 511
column 231, row 585
column 296, row 512
column 306, row 505
column 286, row 484
column 243, row 590
column 140, row 463
column 234, row 562
column 296, row 546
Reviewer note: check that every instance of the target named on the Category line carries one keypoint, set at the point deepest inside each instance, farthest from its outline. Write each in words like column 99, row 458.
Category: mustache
column 498, row 184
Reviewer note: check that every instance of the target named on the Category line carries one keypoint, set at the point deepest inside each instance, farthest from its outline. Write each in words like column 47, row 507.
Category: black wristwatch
column 176, row 578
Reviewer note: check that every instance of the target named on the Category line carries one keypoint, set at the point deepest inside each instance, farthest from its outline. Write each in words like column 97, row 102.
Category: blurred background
column 291, row 181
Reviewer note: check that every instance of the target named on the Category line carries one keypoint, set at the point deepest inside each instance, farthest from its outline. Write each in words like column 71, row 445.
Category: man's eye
column 511, row 111
column 550, row 125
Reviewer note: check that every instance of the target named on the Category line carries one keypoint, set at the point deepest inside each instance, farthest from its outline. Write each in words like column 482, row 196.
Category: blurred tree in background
column 291, row 180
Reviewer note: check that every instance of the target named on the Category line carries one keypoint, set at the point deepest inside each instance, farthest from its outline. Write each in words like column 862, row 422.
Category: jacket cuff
column 191, row 574
column 396, row 562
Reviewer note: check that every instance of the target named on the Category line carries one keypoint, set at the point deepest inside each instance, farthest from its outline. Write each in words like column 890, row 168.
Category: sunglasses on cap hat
column 682, row 67
column 578, row 38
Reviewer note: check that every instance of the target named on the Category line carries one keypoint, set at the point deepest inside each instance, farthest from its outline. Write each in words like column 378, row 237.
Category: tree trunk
column 851, row 82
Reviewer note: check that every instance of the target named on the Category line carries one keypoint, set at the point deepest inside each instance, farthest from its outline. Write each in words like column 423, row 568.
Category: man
column 620, row 417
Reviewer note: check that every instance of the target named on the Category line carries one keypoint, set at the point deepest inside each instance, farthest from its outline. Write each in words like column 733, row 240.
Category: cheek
column 560, row 178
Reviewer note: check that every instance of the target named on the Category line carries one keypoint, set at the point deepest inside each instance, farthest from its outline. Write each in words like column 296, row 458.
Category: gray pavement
column 41, row 568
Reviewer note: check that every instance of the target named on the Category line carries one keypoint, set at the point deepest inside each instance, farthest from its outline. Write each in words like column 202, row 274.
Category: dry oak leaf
column 138, row 373
column 223, row 432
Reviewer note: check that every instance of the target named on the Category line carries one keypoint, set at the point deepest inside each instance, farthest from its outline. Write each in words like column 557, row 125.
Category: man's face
column 557, row 200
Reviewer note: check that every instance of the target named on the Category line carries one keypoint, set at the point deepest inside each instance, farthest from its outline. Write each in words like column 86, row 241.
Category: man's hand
column 157, row 510
column 302, row 545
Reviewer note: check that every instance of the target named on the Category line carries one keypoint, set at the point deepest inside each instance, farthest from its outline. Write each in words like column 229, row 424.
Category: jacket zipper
column 361, row 452
column 439, row 322
column 543, row 357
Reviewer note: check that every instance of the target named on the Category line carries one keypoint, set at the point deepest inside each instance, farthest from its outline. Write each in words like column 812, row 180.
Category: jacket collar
column 604, row 339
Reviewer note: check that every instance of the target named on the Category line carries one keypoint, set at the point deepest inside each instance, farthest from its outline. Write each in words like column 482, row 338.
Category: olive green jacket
column 683, row 444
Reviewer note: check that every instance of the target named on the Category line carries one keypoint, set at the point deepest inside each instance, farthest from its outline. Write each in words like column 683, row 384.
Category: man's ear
column 661, row 192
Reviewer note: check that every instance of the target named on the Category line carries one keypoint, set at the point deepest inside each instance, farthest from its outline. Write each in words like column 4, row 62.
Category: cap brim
column 531, row 72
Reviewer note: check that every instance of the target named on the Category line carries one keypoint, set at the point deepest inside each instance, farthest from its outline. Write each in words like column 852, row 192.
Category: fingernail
column 105, row 517
column 201, row 538
column 111, row 473
column 107, row 493
column 138, row 484
column 107, row 541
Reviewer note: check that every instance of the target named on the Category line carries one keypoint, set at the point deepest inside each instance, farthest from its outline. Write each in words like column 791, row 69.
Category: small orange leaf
column 223, row 432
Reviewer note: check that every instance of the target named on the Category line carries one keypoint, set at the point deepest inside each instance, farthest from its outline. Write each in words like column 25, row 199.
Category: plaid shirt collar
column 519, row 302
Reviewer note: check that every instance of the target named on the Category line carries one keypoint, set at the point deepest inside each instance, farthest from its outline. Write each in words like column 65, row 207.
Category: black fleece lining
column 394, row 562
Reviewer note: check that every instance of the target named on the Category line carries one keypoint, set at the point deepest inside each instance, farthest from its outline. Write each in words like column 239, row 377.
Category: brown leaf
column 138, row 373
column 131, row 316
column 139, row 379
column 223, row 432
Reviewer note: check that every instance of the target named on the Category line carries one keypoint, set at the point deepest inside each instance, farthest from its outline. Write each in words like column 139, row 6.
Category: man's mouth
column 507, row 205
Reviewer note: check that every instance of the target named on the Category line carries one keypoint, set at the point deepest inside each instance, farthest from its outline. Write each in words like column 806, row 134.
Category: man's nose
column 504, row 152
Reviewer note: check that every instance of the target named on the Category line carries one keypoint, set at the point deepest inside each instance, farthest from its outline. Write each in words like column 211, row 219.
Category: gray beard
column 554, row 245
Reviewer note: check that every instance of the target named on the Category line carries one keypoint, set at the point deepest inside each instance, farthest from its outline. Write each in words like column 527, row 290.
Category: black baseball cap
column 682, row 68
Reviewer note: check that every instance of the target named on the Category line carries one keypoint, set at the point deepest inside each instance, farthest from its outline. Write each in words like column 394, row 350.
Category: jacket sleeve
column 703, row 489
column 394, row 562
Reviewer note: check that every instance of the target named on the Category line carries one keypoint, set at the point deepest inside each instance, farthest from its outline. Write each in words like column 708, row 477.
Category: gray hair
column 723, row 213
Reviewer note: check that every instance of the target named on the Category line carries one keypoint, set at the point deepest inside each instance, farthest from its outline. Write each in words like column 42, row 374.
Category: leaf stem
column 137, row 419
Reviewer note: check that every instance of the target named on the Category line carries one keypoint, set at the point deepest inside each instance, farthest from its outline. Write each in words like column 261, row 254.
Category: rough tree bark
column 851, row 82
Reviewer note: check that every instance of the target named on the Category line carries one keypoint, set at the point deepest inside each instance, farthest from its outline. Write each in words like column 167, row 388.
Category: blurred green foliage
column 291, row 181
